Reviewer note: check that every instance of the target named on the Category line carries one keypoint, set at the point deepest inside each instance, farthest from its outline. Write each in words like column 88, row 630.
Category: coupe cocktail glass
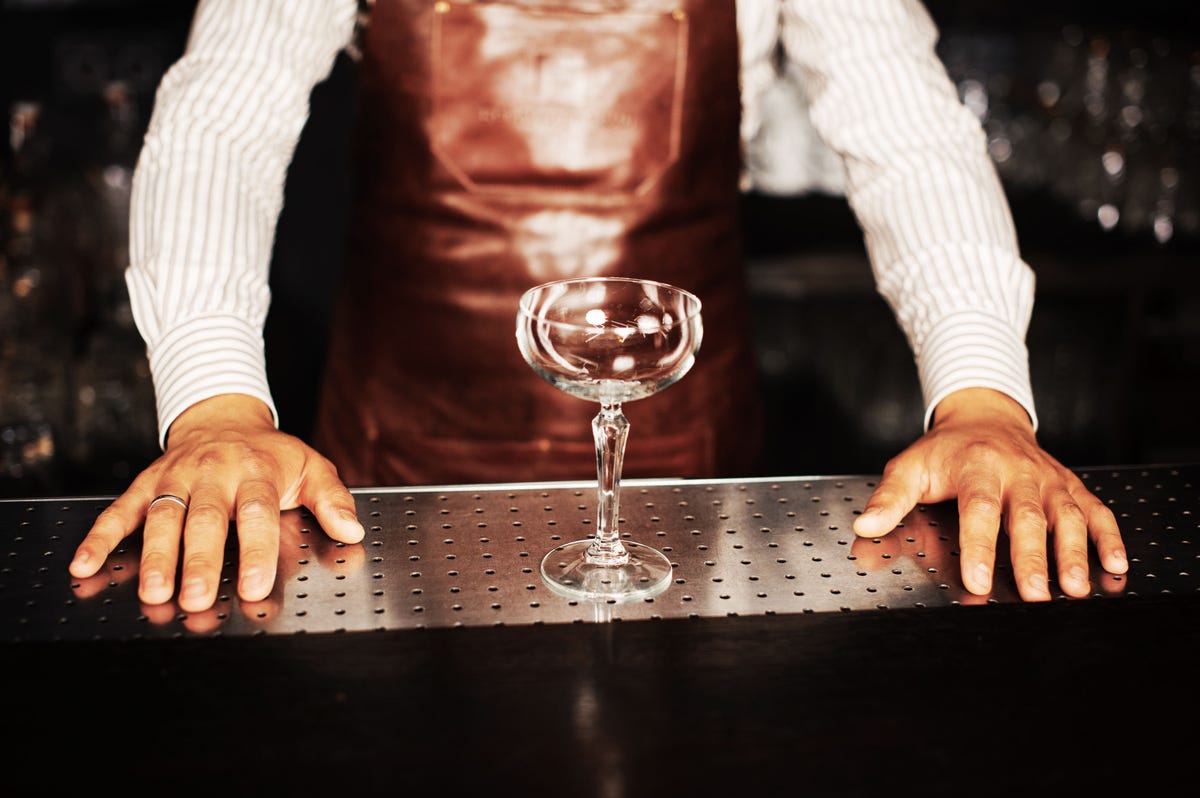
column 609, row 340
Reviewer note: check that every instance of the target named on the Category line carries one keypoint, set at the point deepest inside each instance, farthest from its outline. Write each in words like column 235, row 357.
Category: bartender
column 503, row 144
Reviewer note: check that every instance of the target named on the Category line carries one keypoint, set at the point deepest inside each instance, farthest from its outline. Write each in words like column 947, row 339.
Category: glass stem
column 610, row 429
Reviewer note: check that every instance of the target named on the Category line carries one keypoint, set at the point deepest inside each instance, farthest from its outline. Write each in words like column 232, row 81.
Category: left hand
column 981, row 449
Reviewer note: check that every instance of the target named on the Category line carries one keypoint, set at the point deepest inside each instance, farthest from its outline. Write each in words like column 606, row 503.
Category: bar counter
column 788, row 656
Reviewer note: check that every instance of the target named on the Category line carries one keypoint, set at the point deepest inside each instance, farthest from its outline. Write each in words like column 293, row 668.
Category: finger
column 1027, row 532
column 258, row 539
column 160, row 546
column 115, row 523
column 1070, row 529
column 1104, row 531
column 898, row 492
column 119, row 568
column 204, row 536
column 332, row 504
column 979, row 510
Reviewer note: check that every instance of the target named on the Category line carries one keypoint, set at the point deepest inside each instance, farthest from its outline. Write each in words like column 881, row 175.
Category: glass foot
column 567, row 571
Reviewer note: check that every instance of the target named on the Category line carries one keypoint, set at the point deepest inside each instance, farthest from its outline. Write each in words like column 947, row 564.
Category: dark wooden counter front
column 787, row 659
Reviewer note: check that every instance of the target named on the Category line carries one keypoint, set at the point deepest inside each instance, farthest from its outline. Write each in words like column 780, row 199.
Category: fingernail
column 983, row 576
column 1038, row 584
column 1118, row 557
column 1078, row 574
column 153, row 580
column 352, row 523
column 251, row 582
column 193, row 588
column 83, row 558
column 868, row 521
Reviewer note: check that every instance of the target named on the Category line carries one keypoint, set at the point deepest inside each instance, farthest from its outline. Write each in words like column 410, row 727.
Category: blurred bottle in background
column 1105, row 121
column 76, row 401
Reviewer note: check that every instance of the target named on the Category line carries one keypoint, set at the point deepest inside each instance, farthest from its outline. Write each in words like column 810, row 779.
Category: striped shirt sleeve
column 208, row 189
column 936, row 222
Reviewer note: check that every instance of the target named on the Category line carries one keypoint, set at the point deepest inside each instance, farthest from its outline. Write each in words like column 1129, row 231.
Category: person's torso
column 504, row 144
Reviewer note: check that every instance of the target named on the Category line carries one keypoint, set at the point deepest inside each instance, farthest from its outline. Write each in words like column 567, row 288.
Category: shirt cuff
column 205, row 357
column 971, row 350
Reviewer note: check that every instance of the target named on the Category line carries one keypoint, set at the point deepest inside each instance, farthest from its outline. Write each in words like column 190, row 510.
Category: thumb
column 334, row 507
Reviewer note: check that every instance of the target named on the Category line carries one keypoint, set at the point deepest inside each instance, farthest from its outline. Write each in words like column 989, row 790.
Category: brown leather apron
column 504, row 144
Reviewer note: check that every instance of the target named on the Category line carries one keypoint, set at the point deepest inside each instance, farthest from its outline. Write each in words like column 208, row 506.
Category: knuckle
column 978, row 548
column 216, row 456
column 1027, row 511
column 255, row 510
column 1071, row 513
column 254, row 464
column 200, row 564
column 1028, row 517
column 338, row 497
column 1035, row 562
column 982, row 505
column 256, row 553
column 157, row 559
column 206, row 512
column 1072, row 552
column 1100, row 513
column 110, row 517
column 211, row 458
column 979, row 450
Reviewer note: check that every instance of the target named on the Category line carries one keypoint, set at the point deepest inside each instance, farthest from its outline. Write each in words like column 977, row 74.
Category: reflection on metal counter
column 468, row 556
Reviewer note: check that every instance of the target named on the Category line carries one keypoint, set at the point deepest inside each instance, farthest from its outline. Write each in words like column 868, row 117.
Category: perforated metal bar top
column 470, row 555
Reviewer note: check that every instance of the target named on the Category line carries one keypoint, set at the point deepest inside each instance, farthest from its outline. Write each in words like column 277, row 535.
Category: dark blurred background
column 1093, row 117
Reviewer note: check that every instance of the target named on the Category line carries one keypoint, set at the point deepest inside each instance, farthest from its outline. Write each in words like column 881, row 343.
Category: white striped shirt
column 863, row 106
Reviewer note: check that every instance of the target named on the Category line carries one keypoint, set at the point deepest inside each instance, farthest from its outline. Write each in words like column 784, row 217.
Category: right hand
column 228, row 462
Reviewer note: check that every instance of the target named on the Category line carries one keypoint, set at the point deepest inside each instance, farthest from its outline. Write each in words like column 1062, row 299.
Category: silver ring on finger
column 168, row 497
